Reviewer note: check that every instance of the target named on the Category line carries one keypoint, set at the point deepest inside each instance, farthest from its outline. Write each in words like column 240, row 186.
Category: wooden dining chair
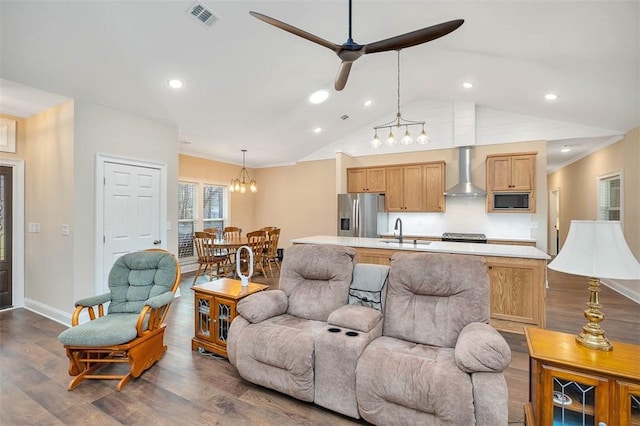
column 271, row 250
column 256, row 241
column 214, row 231
column 209, row 257
column 232, row 232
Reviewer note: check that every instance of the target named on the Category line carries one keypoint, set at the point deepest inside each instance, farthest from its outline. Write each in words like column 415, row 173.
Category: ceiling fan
column 350, row 51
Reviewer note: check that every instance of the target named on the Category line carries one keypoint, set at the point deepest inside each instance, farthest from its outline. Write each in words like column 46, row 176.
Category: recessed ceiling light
column 368, row 102
column 317, row 130
column 467, row 85
column 318, row 97
column 551, row 96
column 565, row 148
column 174, row 83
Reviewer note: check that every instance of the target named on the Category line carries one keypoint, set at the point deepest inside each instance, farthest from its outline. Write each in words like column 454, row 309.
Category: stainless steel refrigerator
column 362, row 215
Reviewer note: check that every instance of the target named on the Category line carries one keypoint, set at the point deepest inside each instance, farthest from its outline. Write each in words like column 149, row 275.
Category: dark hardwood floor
column 190, row 388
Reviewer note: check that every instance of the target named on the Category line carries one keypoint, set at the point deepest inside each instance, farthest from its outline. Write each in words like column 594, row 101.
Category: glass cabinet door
column 224, row 311
column 203, row 316
column 629, row 397
column 573, row 399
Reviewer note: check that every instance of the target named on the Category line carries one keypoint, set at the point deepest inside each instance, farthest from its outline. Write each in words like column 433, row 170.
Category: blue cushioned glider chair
column 142, row 286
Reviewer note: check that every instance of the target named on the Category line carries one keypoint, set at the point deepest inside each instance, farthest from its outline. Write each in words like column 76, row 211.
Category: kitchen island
column 518, row 274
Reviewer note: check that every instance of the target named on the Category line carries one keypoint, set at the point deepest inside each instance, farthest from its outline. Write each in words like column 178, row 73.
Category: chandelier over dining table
column 398, row 123
column 243, row 181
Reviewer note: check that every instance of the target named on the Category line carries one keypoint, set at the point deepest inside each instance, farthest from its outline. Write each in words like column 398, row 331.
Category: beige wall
column 299, row 199
column 578, row 185
column 59, row 148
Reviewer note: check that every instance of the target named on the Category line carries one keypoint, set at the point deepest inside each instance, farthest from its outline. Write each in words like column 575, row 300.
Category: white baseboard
column 59, row 316
column 626, row 289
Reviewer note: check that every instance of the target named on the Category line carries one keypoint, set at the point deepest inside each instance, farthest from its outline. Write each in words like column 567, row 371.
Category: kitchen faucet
column 398, row 220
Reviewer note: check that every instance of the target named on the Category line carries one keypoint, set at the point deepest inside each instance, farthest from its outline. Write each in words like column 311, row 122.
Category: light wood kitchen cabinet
column 415, row 187
column 370, row 179
column 517, row 288
column 517, row 292
column 434, row 184
column 516, row 172
column 571, row 384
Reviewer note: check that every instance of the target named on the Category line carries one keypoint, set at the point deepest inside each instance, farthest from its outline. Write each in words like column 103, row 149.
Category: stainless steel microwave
column 511, row 200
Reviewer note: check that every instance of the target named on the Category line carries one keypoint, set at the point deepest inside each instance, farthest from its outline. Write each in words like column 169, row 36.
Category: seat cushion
column 109, row 330
column 278, row 353
column 399, row 382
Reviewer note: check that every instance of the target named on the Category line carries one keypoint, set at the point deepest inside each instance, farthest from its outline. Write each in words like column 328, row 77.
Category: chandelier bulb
column 375, row 142
column 253, row 187
column 423, row 138
column 406, row 139
column 391, row 140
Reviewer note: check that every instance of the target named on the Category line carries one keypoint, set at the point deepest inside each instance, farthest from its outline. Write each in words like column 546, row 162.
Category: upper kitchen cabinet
column 370, row 179
column 514, row 172
column 415, row 187
column 511, row 183
column 434, row 184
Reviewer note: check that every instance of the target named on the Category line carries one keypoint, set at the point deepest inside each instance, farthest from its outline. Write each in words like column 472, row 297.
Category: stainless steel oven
column 464, row 237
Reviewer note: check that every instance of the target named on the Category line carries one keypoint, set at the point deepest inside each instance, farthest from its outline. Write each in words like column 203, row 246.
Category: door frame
column 554, row 198
column 17, row 240
column 101, row 159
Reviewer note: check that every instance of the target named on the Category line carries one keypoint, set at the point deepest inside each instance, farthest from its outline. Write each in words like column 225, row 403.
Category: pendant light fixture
column 398, row 123
column 242, row 181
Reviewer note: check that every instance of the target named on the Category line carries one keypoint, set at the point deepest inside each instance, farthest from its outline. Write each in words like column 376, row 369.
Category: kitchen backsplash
column 465, row 214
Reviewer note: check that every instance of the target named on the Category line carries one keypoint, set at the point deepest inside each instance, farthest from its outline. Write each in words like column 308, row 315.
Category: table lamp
column 596, row 249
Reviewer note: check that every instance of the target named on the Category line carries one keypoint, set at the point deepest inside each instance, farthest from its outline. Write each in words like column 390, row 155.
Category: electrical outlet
column 535, row 224
column 64, row 230
column 34, row 227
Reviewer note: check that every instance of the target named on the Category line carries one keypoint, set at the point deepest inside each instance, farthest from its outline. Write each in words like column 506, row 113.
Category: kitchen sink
column 406, row 242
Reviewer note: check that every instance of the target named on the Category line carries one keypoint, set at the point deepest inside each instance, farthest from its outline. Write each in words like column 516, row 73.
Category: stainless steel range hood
column 464, row 187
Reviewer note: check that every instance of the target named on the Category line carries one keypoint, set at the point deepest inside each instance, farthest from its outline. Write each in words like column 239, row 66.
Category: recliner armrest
column 355, row 317
column 160, row 300
column 480, row 348
column 263, row 305
column 94, row 300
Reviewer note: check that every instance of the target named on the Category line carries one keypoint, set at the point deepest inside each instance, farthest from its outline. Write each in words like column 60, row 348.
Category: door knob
column 157, row 242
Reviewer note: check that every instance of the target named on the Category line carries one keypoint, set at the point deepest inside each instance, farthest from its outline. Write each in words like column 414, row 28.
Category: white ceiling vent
column 202, row 13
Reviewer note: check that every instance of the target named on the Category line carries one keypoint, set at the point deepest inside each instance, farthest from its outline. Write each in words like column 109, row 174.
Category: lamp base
column 594, row 341
column 592, row 335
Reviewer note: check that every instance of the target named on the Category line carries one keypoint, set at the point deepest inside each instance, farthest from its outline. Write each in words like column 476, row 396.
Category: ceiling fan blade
column 296, row 31
column 414, row 37
column 343, row 75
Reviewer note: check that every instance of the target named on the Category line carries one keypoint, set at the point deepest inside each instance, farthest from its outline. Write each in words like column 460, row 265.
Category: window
column 213, row 207
column 610, row 198
column 214, row 202
column 187, row 209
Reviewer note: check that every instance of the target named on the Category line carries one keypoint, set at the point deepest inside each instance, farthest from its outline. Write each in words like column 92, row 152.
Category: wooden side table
column 571, row 384
column 215, row 307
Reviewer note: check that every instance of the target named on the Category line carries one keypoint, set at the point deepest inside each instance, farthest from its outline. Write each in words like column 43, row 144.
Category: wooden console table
column 571, row 384
column 215, row 308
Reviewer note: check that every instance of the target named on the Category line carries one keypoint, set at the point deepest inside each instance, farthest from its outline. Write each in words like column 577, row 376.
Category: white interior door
column 131, row 212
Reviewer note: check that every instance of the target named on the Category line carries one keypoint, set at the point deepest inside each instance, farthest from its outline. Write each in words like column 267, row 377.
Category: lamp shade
column 597, row 248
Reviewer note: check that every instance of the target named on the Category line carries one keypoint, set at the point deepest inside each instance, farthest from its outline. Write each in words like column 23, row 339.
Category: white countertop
column 502, row 250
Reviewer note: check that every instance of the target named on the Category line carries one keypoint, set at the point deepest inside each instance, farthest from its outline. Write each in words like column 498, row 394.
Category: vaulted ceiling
column 247, row 83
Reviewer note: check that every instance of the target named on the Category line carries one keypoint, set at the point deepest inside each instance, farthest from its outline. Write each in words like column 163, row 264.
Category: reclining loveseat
column 409, row 344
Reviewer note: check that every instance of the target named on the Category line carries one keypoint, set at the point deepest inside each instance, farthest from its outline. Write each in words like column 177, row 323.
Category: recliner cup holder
column 334, row 330
column 351, row 333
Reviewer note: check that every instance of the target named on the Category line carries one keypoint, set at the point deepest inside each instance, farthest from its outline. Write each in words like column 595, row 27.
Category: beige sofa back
column 316, row 279
column 432, row 296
